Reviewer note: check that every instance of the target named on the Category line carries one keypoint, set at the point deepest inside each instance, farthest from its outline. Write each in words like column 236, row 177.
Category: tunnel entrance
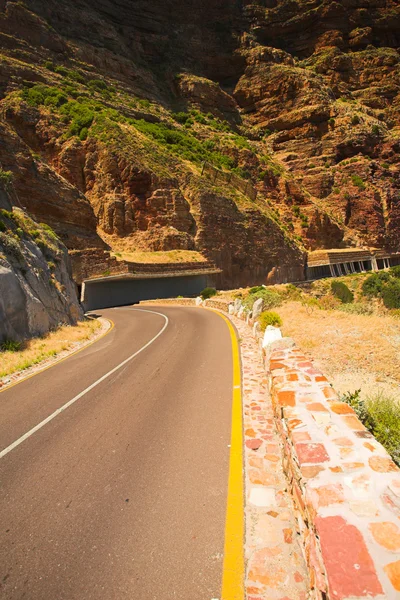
column 113, row 291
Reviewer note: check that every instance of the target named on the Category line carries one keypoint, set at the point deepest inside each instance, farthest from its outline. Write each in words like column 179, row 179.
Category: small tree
column 208, row 292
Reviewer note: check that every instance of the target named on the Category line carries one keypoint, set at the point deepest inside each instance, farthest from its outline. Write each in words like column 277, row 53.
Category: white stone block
column 257, row 308
column 271, row 335
column 199, row 301
column 236, row 306
column 231, row 309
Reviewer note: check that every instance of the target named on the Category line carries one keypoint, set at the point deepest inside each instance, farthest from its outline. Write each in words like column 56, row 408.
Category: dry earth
column 37, row 352
column 353, row 351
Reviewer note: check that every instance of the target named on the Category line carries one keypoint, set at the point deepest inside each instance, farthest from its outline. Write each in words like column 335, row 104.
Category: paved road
column 123, row 494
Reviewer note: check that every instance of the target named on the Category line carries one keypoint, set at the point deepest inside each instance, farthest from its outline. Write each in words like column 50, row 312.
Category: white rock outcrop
column 36, row 289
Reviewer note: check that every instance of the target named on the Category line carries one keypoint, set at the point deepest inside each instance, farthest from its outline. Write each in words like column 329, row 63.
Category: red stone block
column 311, row 453
column 341, row 408
column 287, row 398
column 311, row 471
column 253, row 444
column 392, row 570
column 349, row 567
column 353, row 423
column 329, row 393
column 320, row 378
column 387, row 534
column 330, row 494
column 382, row 464
column 273, row 365
column 316, row 406
column 300, row 436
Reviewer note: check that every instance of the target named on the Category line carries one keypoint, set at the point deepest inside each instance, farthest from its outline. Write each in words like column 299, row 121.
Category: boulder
column 257, row 308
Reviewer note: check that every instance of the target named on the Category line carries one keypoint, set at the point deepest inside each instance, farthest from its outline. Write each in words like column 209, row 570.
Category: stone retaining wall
column 346, row 488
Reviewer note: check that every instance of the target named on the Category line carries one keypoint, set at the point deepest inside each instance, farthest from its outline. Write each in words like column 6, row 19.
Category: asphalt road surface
column 123, row 493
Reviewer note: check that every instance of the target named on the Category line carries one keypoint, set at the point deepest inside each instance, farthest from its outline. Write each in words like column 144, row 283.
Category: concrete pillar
column 331, row 267
column 374, row 263
column 83, row 292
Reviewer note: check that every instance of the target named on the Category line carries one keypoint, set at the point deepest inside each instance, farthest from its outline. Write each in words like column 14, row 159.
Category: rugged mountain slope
column 110, row 109
column 36, row 289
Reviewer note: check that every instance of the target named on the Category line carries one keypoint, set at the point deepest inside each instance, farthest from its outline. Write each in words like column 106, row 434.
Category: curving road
column 122, row 494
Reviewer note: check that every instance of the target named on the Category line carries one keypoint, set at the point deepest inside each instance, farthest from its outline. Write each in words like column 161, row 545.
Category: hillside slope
column 109, row 111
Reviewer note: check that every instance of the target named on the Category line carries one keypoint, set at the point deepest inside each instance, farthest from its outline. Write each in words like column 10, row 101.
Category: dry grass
column 170, row 256
column 38, row 349
column 353, row 351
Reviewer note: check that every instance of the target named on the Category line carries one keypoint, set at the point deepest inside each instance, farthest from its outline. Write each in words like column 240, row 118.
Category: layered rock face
column 36, row 289
column 110, row 109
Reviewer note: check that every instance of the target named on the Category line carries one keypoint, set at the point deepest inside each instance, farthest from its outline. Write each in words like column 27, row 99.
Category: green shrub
column 381, row 415
column 270, row 299
column 97, row 85
column 6, row 178
column 83, row 134
column 372, row 286
column 208, row 292
column 269, row 318
column 384, row 412
column 391, row 294
column 61, row 70
column 395, row 272
column 10, row 346
column 181, row 117
column 341, row 291
column 79, row 115
column 355, row 120
column 44, row 95
column 358, row 182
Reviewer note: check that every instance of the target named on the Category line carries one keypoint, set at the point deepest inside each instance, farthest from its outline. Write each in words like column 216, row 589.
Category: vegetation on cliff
column 294, row 106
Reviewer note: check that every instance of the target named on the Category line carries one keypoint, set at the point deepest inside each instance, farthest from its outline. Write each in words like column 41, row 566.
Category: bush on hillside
column 395, row 272
column 257, row 288
column 341, row 291
column 269, row 318
column 208, row 292
column 391, row 294
column 10, row 346
column 270, row 299
column 372, row 286
column 381, row 415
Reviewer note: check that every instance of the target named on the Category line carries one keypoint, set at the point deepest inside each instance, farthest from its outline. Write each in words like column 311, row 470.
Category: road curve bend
column 121, row 493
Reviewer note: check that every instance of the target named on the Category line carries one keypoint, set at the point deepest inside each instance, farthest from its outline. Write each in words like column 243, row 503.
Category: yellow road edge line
column 233, row 566
column 59, row 360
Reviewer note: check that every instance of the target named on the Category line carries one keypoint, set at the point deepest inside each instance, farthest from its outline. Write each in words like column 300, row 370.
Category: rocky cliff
column 36, row 289
column 109, row 111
